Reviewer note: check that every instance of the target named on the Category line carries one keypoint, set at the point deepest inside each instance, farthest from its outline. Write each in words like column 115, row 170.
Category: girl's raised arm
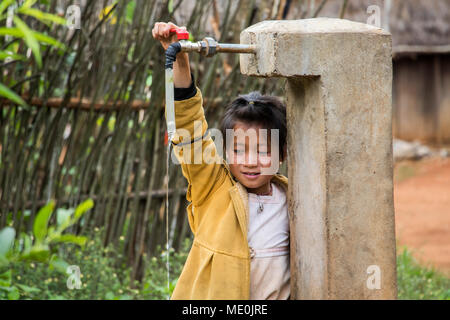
column 200, row 162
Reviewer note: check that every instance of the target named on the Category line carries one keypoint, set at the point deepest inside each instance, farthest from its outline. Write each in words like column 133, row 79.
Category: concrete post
column 339, row 113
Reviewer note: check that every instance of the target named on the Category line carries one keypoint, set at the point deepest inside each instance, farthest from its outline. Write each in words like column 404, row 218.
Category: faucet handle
column 182, row 34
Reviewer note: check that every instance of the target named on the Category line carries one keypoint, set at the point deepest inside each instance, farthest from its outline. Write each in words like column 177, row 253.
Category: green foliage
column 11, row 95
column 31, row 38
column 104, row 274
column 419, row 283
column 42, row 247
column 131, row 6
column 155, row 280
column 6, row 240
column 41, row 221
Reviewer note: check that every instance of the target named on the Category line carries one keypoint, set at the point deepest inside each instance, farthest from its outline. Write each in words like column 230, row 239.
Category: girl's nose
column 251, row 158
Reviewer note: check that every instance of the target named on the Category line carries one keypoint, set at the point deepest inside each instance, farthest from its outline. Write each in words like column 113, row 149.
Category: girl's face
column 249, row 156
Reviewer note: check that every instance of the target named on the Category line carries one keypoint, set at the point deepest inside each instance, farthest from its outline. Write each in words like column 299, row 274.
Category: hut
column 421, row 60
column 421, row 50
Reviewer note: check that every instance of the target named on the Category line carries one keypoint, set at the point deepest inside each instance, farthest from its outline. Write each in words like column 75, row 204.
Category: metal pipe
column 187, row 46
column 209, row 47
column 236, row 48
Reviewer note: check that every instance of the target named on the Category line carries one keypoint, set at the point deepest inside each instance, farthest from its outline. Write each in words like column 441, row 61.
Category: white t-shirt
column 268, row 239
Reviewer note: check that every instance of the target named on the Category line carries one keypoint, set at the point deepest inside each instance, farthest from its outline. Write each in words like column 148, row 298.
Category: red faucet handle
column 182, row 34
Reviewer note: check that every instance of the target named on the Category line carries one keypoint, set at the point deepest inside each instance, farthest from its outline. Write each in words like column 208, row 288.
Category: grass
column 416, row 282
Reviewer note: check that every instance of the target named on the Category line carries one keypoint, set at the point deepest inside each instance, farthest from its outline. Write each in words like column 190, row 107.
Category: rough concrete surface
column 340, row 159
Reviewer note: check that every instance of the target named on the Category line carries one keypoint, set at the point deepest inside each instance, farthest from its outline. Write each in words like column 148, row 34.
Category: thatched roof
column 415, row 25
column 421, row 26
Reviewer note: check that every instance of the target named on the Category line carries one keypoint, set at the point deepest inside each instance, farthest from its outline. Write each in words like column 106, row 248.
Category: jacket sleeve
column 196, row 151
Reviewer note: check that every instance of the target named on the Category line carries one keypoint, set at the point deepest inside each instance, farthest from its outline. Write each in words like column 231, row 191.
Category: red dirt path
column 422, row 209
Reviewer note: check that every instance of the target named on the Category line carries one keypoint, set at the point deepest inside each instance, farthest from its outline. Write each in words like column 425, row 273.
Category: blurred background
column 82, row 148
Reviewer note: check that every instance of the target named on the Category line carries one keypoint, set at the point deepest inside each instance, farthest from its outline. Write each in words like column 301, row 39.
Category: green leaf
column 49, row 40
column 109, row 296
column 15, row 32
column 50, row 231
column 28, row 289
column 11, row 95
column 71, row 238
column 58, row 264
column 6, row 278
column 41, row 221
column 3, row 262
column 83, row 207
column 14, row 294
column 28, row 3
column 111, row 123
column 42, row 16
column 26, row 243
column 63, row 217
column 7, row 54
column 30, row 39
column 131, row 6
column 5, row 4
column 7, row 236
column 37, row 253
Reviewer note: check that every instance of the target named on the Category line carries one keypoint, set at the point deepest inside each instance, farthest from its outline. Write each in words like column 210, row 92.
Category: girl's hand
column 161, row 32
column 181, row 68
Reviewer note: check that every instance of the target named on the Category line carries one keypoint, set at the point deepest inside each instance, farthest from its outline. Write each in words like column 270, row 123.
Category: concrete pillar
column 340, row 165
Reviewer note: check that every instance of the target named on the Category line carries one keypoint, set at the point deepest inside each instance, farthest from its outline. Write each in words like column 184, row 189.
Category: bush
column 104, row 274
column 40, row 247
column 155, row 280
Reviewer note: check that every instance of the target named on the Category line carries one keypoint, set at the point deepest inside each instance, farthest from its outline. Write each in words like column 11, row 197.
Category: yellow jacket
column 218, row 264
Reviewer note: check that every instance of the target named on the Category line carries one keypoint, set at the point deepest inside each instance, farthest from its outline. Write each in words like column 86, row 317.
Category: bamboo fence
column 94, row 127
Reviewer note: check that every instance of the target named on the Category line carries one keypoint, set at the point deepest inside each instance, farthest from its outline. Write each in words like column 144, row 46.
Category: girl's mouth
column 251, row 175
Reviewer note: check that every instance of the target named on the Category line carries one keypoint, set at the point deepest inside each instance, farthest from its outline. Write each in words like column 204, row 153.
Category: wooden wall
column 421, row 98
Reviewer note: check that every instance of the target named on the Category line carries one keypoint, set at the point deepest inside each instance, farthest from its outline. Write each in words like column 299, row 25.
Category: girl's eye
column 238, row 151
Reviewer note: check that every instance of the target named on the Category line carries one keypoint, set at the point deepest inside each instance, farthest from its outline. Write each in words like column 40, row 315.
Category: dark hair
column 257, row 109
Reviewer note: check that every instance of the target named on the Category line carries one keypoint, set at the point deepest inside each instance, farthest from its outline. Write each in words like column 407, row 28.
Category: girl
column 237, row 212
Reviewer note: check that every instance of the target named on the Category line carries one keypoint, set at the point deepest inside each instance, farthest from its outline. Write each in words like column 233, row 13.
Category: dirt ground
column 422, row 209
